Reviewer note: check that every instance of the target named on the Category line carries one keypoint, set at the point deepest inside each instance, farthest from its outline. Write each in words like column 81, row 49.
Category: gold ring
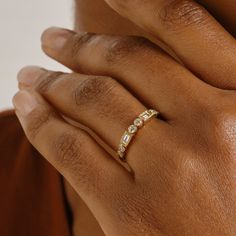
column 132, row 130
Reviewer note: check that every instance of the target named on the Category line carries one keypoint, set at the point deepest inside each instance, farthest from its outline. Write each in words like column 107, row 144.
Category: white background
column 21, row 24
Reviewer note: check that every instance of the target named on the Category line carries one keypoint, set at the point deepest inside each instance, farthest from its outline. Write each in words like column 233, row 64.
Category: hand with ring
column 174, row 122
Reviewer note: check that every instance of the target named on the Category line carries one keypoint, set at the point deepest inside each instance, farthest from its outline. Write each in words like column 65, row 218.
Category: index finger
column 203, row 45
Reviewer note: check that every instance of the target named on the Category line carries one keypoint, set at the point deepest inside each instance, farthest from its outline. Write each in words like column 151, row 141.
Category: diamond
column 133, row 129
column 138, row 122
column 126, row 138
column 145, row 116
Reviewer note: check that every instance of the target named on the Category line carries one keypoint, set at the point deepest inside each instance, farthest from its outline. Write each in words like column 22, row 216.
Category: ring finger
column 100, row 103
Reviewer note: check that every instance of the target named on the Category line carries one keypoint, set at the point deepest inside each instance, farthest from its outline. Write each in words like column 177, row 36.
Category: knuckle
column 122, row 47
column 218, row 118
column 212, row 114
column 104, row 95
column 47, row 81
column 223, row 121
column 176, row 14
column 80, row 41
column 94, row 90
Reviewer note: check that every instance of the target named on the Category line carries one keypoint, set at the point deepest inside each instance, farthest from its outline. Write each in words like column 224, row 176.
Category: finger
column 89, row 169
column 197, row 38
column 100, row 103
column 224, row 11
column 153, row 76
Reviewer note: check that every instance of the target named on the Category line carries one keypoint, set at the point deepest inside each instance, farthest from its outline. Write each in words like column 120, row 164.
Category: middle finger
column 148, row 72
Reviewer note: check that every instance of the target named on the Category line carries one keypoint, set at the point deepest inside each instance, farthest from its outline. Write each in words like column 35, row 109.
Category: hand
column 190, row 31
column 184, row 165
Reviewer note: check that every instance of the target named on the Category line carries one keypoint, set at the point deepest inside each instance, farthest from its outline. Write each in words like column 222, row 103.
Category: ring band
column 132, row 130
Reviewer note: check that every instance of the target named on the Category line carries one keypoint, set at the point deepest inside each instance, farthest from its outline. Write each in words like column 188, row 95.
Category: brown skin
column 224, row 11
column 187, row 189
column 96, row 16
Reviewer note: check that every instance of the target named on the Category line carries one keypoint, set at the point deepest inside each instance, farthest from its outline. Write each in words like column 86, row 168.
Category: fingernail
column 29, row 75
column 24, row 102
column 55, row 38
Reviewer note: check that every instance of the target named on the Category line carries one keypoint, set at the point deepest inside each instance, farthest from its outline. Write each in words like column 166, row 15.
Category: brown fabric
column 32, row 200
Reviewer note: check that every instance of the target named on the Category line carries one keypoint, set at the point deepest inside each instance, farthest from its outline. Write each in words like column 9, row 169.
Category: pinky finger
column 72, row 151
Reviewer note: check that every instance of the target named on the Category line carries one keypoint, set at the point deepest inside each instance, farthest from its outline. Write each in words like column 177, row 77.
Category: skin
column 187, row 189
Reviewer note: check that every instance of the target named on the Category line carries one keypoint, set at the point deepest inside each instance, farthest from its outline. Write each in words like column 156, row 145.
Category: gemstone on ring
column 133, row 129
column 130, row 133
column 145, row 116
column 138, row 122
column 126, row 138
